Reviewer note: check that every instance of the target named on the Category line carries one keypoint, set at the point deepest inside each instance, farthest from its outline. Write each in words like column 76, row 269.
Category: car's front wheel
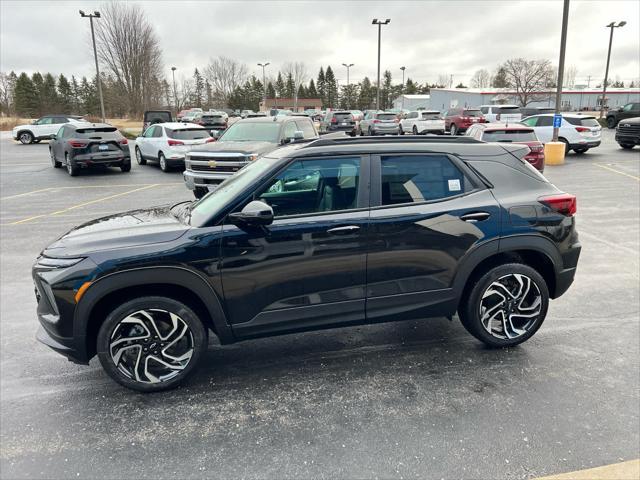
column 54, row 162
column 72, row 169
column 505, row 305
column 611, row 122
column 415, row 130
column 454, row 129
column 200, row 192
column 151, row 343
column 139, row 158
column 25, row 138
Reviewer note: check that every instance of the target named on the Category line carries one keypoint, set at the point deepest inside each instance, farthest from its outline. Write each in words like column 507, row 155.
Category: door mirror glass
column 254, row 214
column 298, row 135
column 52, row 136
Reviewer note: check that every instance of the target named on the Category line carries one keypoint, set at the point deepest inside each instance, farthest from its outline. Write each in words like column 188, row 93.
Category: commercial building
column 412, row 102
column 299, row 105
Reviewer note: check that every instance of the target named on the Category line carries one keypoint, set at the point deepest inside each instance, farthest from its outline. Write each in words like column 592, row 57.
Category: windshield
column 213, row 203
column 187, row 133
column 509, row 136
column 252, row 132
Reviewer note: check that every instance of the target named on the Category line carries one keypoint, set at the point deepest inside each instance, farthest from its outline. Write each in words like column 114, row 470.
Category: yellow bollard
column 554, row 153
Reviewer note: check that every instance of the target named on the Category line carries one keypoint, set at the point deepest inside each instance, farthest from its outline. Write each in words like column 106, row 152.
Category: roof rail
column 395, row 139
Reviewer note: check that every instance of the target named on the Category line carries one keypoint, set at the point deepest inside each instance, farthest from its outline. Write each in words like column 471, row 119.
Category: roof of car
column 78, row 125
column 565, row 115
column 275, row 119
column 510, row 105
column 179, row 125
column 503, row 126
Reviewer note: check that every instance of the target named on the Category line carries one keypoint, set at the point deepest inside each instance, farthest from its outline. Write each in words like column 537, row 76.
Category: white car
column 501, row 113
column 422, row 122
column 43, row 128
column 167, row 143
column 578, row 132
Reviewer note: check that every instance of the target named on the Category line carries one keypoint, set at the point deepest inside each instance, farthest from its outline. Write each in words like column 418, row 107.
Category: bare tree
column 570, row 76
column 444, row 80
column 225, row 75
column 299, row 73
column 7, row 86
column 128, row 47
column 481, row 79
column 529, row 78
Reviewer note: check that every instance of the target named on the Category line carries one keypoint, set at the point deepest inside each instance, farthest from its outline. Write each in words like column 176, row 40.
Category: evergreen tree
column 302, row 92
column 49, row 94
column 38, row 82
column 461, row 85
column 26, row 97
column 280, row 87
column 385, row 91
column 89, row 97
column 311, row 91
column 631, row 85
column 65, row 95
column 290, row 87
column 410, row 87
column 198, row 89
column 75, row 92
column 331, row 88
column 271, row 91
column 320, row 85
column 500, row 79
column 366, row 95
column 209, row 93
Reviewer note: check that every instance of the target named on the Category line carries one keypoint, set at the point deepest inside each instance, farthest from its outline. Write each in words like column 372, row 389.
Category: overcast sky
column 430, row 38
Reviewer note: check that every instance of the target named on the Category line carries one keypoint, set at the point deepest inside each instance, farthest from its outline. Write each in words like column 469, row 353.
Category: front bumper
column 627, row 139
column 204, row 179
column 70, row 352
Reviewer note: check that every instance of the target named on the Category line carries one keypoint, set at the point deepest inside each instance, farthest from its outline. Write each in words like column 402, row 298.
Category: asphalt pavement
column 419, row 399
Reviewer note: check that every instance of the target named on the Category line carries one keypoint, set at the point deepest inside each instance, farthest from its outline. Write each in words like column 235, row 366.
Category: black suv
column 324, row 234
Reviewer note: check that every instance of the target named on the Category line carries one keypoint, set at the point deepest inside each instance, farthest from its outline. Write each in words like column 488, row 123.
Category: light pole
column 563, row 45
column 349, row 65
column 264, row 84
column 612, row 25
column 402, row 92
column 175, row 91
column 91, row 16
column 379, row 23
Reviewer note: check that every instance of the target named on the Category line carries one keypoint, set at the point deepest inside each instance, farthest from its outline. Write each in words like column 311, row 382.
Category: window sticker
column 454, row 185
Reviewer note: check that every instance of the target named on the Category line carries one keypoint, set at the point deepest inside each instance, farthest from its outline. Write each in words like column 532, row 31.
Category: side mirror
column 52, row 136
column 254, row 214
column 298, row 135
column 620, row 109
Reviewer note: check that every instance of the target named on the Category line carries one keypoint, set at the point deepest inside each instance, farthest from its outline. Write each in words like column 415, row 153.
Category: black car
column 83, row 145
column 339, row 121
column 628, row 133
column 630, row 110
column 151, row 117
column 319, row 235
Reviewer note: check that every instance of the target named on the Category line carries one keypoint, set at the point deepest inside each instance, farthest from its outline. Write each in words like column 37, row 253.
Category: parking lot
column 406, row 400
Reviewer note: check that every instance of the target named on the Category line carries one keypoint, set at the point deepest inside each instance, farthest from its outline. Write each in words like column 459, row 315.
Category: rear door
column 544, row 128
column 427, row 212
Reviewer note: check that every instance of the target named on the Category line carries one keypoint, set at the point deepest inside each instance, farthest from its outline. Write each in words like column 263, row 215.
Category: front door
column 427, row 212
column 307, row 269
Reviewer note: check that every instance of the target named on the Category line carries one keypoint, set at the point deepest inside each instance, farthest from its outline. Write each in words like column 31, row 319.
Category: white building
column 412, row 102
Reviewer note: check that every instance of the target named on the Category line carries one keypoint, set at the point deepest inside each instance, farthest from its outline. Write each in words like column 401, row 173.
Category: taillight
column 77, row 144
column 124, row 141
column 536, row 148
column 334, row 120
column 209, row 140
column 175, row 142
column 583, row 129
column 563, row 203
column 376, row 121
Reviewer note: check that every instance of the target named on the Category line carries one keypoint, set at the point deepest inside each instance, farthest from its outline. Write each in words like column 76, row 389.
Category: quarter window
column 420, row 178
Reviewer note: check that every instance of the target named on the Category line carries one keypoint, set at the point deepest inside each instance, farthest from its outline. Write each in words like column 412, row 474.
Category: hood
column 242, row 147
column 128, row 229
column 633, row 120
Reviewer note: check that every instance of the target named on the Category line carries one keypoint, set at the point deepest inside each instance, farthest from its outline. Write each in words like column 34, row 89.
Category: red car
column 516, row 133
column 457, row 120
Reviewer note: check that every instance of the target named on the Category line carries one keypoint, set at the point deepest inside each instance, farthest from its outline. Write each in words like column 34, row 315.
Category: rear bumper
column 94, row 159
column 586, row 144
column 385, row 131
column 564, row 277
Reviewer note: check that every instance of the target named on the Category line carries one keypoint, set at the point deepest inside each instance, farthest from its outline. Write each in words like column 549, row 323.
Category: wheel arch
column 25, row 130
column 178, row 283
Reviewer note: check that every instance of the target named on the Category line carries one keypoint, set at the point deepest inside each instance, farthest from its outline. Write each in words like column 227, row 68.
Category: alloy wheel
column 510, row 306
column 138, row 156
column 26, row 138
column 151, row 346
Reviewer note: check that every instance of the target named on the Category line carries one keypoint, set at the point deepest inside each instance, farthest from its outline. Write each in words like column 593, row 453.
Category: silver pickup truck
column 208, row 165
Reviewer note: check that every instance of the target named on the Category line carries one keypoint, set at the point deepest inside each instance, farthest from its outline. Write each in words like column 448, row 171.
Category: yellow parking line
column 618, row 171
column 618, row 471
column 86, row 186
column 24, row 220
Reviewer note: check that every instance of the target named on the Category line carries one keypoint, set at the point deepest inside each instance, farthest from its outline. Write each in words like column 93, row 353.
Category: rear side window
column 420, row 178
column 187, row 133
column 510, row 136
column 545, row 121
column 584, row 122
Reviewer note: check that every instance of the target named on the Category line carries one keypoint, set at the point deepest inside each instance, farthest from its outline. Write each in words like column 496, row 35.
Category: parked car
column 151, row 117
column 530, row 111
column 213, row 120
column 630, row 110
column 192, row 116
column 167, row 143
column 628, row 133
column 578, row 132
column 501, row 113
column 330, row 233
column 379, row 123
column 257, row 115
column 339, row 121
column 181, row 114
column 243, row 142
column 421, row 122
column 244, row 113
column 43, row 128
column 457, row 120
column 274, row 112
column 79, row 145
column 511, row 133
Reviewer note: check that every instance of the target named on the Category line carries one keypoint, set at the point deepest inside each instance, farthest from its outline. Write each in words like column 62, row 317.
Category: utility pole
column 379, row 23
column 563, row 45
column 403, row 68
column 91, row 16
column 175, row 91
column 588, row 81
column 348, row 67
column 612, row 25
column 264, row 84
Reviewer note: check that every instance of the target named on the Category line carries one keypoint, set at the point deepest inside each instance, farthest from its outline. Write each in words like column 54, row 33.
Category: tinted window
column 311, row 186
column 45, row 121
column 187, row 133
column 157, row 132
column 307, row 128
column 252, row 132
column 97, row 133
column 418, row 178
column 60, row 120
column 509, row 136
column 430, row 115
column 584, row 122
column 545, row 122
column 472, row 113
column 484, row 110
column 343, row 116
column 509, row 110
column 157, row 117
column 386, row 116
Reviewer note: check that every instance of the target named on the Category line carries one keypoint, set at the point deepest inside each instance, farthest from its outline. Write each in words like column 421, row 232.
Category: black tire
column 453, row 129
column 125, row 167
column 193, row 338
column 370, row 132
column 470, row 303
column 164, row 165
column 139, row 158
column 54, row 162
column 72, row 169
column 611, row 122
column 200, row 192
column 25, row 138
column 626, row 146
column 580, row 151
column 415, row 130
column 567, row 149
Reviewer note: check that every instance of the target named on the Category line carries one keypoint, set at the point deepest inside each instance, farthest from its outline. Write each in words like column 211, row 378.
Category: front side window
column 420, row 178
column 60, row 133
column 530, row 122
column 484, row 110
column 157, row 132
column 148, row 132
column 45, row 121
column 313, row 186
column 628, row 107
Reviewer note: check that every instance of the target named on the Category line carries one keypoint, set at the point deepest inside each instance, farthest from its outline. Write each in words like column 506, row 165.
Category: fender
column 172, row 275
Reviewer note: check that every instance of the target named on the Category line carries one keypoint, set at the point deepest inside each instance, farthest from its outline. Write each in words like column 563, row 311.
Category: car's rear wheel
column 505, row 305
column 54, row 162
column 25, row 138
column 611, row 122
column 626, row 146
column 580, row 151
column 164, row 166
column 454, row 129
column 415, row 130
column 566, row 145
column 151, row 343
column 139, row 158
column 125, row 167
column 72, row 169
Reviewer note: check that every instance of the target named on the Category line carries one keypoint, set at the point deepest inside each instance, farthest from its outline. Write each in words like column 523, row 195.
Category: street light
column 264, row 84
column 403, row 69
column 91, row 16
column 175, row 91
column 379, row 23
column 612, row 25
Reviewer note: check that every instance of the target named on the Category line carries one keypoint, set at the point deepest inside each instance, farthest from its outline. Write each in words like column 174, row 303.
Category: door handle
column 343, row 230
column 475, row 217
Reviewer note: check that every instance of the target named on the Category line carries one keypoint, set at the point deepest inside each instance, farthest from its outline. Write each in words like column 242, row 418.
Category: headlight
column 252, row 156
column 58, row 262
